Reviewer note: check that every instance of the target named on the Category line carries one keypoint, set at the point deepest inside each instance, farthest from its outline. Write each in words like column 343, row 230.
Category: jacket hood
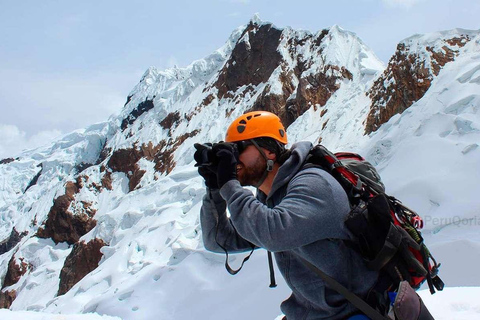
column 299, row 152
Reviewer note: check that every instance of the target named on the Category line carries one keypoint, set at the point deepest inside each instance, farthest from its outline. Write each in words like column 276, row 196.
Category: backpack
column 387, row 232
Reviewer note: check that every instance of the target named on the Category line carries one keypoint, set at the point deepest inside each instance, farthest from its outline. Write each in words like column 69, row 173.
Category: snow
column 423, row 44
column 155, row 265
column 453, row 303
column 30, row 315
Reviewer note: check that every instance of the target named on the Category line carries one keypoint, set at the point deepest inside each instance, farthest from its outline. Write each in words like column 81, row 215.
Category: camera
column 205, row 156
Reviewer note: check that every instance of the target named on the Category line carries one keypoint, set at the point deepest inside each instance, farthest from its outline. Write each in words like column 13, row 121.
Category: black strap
column 273, row 284
column 359, row 303
column 227, row 266
column 429, row 276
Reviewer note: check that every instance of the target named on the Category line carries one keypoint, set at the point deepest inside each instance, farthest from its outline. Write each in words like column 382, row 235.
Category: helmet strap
column 269, row 166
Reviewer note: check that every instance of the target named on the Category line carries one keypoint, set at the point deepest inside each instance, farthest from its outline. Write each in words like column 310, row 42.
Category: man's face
column 251, row 166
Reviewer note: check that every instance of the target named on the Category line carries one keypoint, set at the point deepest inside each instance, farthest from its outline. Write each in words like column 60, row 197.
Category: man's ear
column 270, row 155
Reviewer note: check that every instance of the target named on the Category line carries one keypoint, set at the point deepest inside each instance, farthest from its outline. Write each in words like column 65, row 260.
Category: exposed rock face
column 6, row 298
column 14, row 238
column 253, row 59
column 257, row 57
column 7, row 160
column 137, row 112
column 82, row 166
column 407, row 78
column 35, row 179
column 313, row 90
column 83, row 259
column 171, row 121
column 15, row 271
column 126, row 160
column 64, row 226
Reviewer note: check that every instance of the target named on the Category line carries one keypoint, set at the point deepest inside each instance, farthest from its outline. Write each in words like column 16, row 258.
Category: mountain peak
column 410, row 72
column 255, row 20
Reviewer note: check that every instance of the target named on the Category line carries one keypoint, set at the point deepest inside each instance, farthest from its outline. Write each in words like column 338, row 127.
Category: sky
column 65, row 65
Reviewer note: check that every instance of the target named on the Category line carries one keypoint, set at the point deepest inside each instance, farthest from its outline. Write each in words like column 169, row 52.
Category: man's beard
column 251, row 176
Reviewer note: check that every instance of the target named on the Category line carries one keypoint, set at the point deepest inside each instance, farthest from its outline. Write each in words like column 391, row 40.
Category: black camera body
column 206, row 157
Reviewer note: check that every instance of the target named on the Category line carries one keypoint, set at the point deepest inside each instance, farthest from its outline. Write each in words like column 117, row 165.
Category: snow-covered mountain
column 105, row 219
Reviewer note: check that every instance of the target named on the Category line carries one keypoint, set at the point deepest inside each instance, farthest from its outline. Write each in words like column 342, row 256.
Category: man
column 298, row 213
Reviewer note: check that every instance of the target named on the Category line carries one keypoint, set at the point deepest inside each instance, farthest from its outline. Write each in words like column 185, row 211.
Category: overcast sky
column 67, row 64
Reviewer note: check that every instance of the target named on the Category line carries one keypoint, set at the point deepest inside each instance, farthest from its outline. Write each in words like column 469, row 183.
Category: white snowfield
column 31, row 315
column 155, row 266
column 453, row 303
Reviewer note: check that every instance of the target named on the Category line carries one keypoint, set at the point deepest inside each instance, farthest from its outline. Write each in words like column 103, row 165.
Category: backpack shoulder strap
column 358, row 302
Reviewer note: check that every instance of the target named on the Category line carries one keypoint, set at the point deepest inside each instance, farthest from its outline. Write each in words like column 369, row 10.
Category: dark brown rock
column 406, row 80
column 170, row 121
column 12, row 240
column 124, row 160
column 164, row 161
column 6, row 298
column 137, row 112
column 256, row 56
column 251, row 62
column 35, row 178
column 83, row 259
column 103, row 154
column 62, row 225
column 7, row 160
column 107, row 181
column 135, row 178
column 15, row 271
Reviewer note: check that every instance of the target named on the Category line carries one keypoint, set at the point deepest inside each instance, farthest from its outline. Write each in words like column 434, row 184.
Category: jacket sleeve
column 314, row 208
column 217, row 227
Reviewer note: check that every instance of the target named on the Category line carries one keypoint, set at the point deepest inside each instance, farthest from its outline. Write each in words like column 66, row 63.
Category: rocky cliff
column 410, row 73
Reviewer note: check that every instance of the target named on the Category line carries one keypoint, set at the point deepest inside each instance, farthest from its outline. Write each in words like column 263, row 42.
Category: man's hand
column 203, row 160
column 209, row 176
column 227, row 155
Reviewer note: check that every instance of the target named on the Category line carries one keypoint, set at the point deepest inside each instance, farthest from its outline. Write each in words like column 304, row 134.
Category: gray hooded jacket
column 303, row 216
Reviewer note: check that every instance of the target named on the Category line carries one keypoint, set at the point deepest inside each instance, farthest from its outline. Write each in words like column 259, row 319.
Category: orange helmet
column 256, row 124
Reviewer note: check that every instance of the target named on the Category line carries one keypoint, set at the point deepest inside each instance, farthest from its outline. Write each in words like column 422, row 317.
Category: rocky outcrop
column 13, row 239
column 6, row 161
column 83, row 259
column 82, row 166
column 15, row 271
column 314, row 90
column 126, row 160
column 137, row 112
column 171, row 121
column 6, row 298
column 408, row 76
column 61, row 224
column 255, row 58
column 35, row 178
column 252, row 61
